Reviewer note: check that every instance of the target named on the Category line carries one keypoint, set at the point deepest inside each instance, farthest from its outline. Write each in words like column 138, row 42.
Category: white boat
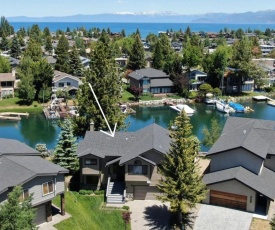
column 189, row 111
column 271, row 102
column 210, row 101
column 222, row 106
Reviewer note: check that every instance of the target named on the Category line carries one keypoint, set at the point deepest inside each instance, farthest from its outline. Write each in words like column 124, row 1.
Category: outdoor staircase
column 115, row 192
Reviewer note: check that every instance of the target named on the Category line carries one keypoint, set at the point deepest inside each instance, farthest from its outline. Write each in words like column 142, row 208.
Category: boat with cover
column 237, row 107
column 222, row 106
column 189, row 111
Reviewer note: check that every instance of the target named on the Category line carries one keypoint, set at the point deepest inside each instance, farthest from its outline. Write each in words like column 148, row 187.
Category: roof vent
column 126, row 138
column 244, row 132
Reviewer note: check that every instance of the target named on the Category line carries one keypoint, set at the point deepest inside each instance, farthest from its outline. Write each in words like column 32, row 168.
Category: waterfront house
column 126, row 164
column 196, row 78
column 268, row 66
column 242, row 170
column 22, row 165
column 63, row 81
column 7, row 84
column 151, row 81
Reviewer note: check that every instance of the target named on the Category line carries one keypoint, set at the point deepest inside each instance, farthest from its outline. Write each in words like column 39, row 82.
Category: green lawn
column 16, row 105
column 87, row 215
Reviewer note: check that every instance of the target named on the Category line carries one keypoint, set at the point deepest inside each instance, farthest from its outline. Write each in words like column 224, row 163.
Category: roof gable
column 148, row 73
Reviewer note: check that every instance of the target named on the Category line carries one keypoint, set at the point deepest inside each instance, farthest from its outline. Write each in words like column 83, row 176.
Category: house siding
column 65, row 80
column 134, row 82
column 137, row 177
column 91, row 169
column 270, row 163
column 234, row 158
column 235, row 187
column 35, row 188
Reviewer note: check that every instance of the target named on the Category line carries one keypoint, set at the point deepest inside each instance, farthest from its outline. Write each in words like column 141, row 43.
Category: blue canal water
column 36, row 129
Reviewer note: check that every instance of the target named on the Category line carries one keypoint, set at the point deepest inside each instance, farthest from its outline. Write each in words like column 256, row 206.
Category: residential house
column 63, row 81
column 121, row 61
column 196, row 78
column 126, row 164
column 7, row 84
column 242, row 167
column 268, row 66
column 85, row 62
column 266, row 49
column 177, row 46
column 22, row 165
column 151, row 80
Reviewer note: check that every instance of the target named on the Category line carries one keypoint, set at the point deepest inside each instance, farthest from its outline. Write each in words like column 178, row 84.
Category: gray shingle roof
column 148, row 72
column 161, row 82
column 254, row 135
column 263, row 183
column 126, row 145
column 60, row 75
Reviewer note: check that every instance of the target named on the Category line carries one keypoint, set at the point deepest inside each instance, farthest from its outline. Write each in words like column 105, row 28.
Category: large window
column 89, row 161
column 61, row 84
column 24, row 195
column 137, row 168
column 48, row 188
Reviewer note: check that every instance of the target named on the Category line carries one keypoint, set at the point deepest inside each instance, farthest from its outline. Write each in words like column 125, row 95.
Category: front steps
column 115, row 192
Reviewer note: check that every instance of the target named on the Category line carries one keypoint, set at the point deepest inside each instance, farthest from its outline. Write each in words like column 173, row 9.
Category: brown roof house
column 151, row 81
column 242, row 168
column 22, row 165
column 7, row 84
column 126, row 164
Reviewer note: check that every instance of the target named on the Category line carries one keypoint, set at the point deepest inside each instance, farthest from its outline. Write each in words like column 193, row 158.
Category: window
column 90, row 161
column 68, row 83
column 137, row 169
column 47, row 188
column 24, row 195
column 61, row 84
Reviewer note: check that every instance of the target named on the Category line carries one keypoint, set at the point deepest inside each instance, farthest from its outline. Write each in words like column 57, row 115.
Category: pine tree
column 26, row 90
column 48, row 44
column 14, row 215
column 34, row 50
column 76, row 66
column 137, row 56
column 15, row 47
column 65, row 150
column 210, row 136
column 158, row 60
column 106, row 85
column 181, row 183
column 4, row 45
column 62, row 60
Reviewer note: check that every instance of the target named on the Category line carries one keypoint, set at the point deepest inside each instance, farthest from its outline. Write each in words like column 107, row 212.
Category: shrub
column 85, row 192
column 99, row 192
column 125, row 207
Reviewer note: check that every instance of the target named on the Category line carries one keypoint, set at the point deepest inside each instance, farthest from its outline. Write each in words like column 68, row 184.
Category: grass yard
column 259, row 224
column 87, row 215
column 16, row 105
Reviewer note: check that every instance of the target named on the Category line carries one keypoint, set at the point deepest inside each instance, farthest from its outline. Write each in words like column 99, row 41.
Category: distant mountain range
column 259, row 17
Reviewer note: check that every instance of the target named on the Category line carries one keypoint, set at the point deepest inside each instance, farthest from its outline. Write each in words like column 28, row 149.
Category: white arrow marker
column 112, row 133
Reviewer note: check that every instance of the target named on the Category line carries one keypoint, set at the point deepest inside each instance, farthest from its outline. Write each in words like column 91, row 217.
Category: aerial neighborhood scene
column 137, row 115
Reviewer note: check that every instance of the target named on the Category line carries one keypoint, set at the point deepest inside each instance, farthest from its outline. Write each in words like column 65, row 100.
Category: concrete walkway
column 149, row 214
column 219, row 218
column 56, row 219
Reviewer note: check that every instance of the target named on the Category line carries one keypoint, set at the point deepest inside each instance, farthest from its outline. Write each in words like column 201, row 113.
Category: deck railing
column 107, row 189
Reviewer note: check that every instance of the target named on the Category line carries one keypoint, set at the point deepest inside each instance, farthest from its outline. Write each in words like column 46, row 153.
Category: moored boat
column 237, row 107
column 271, row 102
column 222, row 106
column 187, row 109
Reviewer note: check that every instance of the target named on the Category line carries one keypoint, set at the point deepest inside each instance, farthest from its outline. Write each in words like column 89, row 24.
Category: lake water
column 144, row 28
column 36, row 129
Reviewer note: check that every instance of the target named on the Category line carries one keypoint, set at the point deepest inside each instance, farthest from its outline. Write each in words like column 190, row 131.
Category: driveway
column 149, row 214
column 219, row 218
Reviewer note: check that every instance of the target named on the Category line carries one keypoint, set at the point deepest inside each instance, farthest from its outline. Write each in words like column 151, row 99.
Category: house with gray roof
column 126, row 164
column 151, row 81
column 7, row 83
column 196, row 78
column 241, row 174
column 22, row 165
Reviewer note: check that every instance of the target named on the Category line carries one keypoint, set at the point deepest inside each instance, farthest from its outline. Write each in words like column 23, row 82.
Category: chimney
column 92, row 126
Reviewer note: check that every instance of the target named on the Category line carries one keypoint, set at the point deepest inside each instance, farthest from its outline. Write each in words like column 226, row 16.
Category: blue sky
column 41, row 8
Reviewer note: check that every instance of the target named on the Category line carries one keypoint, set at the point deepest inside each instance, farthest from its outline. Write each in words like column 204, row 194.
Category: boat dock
column 260, row 98
column 12, row 116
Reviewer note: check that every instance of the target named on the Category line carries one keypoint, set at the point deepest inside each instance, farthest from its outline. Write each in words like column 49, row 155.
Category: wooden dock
column 12, row 116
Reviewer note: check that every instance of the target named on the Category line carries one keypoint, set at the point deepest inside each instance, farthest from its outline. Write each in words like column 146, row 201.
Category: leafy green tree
column 106, row 85
column 48, row 45
column 65, row 150
column 26, row 90
column 62, row 60
column 211, row 135
column 4, row 45
column 42, row 148
column 15, row 215
column 34, row 50
column 15, row 47
column 123, row 33
column 75, row 65
column 205, row 88
column 182, row 183
column 5, row 66
column 137, row 55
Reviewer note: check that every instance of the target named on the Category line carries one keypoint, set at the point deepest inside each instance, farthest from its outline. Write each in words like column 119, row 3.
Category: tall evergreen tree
column 5, row 28
column 65, row 150
column 16, row 215
column 106, row 85
column 62, row 60
column 26, row 87
column 137, row 55
column 46, row 32
column 158, row 59
column 76, row 67
column 4, row 45
column 5, row 66
column 48, row 44
column 182, row 183
column 211, row 135
column 34, row 50
column 35, row 34
column 15, row 48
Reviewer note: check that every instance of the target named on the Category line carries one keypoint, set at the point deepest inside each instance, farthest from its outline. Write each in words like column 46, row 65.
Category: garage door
column 145, row 192
column 228, row 200
column 40, row 215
